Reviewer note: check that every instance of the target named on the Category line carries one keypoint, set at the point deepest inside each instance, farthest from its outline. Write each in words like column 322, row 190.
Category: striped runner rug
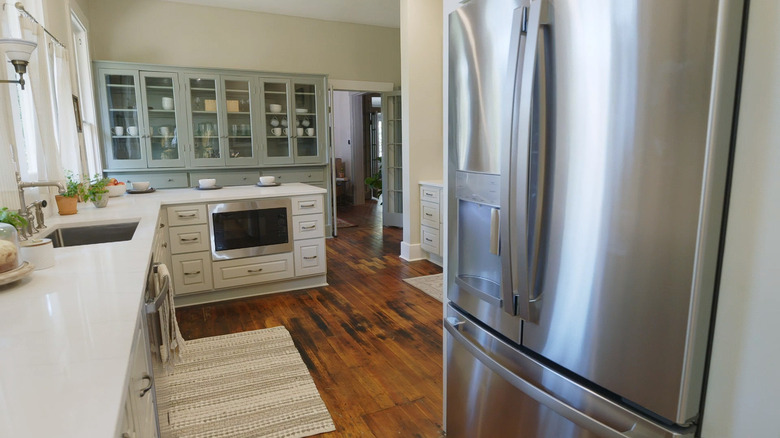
column 241, row 385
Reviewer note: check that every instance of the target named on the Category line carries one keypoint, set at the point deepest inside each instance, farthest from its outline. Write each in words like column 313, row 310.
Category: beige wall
column 421, row 95
column 743, row 386
column 161, row 32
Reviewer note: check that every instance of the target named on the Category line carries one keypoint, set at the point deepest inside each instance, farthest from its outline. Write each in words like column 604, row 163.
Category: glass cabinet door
column 392, row 161
column 161, row 135
column 239, row 124
column 276, row 122
column 123, row 133
column 307, row 126
column 203, row 93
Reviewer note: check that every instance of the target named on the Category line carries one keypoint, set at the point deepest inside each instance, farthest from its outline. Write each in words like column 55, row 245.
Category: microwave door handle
column 515, row 167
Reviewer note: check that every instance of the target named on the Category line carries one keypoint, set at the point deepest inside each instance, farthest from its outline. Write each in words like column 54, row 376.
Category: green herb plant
column 12, row 217
column 93, row 189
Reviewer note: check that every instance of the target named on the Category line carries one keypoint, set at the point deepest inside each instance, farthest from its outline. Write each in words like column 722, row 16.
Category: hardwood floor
column 373, row 343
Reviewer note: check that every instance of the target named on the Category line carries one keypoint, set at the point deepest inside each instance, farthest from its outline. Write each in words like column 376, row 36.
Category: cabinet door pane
column 205, row 119
column 239, row 120
column 121, row 99
column 161, row 100
column 277, row 127
column 306, row 121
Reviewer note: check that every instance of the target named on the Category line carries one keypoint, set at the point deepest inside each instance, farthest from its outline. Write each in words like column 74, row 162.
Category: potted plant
column 67, row 202
column 96, row 190
column 12, row 218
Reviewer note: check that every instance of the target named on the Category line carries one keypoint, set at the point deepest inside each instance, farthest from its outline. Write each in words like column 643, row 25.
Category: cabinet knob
column 148, row 387
column 170, row 179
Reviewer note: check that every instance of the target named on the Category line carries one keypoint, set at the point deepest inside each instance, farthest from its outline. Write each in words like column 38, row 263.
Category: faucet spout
column 60, row 186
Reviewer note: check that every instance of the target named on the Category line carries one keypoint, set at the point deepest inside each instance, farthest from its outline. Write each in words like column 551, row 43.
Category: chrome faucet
column 26, row 210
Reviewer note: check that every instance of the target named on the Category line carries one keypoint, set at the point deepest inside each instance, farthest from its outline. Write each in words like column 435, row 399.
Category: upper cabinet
column 121, row 96
column 196, row 118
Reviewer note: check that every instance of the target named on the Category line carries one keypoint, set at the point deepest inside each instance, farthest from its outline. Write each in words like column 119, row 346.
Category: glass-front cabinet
column 239, row 120
column 205, row 126
column 120, row 91
column 308, row 135
column 164, row 118
column 276, row 125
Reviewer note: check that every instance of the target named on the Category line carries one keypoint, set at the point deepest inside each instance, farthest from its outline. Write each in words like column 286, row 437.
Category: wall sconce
column 18, row 52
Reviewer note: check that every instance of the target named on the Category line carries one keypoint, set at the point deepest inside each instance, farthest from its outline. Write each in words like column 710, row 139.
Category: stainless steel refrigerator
column 589, row 144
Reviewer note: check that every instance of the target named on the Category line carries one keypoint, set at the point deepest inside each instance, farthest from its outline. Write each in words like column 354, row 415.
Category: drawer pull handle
column 254, row 271
column 189, row 239
column 309, row 258
column 186, row 215
column 151, row 383
column 428, row 240
column 192, row 273
column 429, row 194
column 309, row 227
column 307, row 205
column 428, row 214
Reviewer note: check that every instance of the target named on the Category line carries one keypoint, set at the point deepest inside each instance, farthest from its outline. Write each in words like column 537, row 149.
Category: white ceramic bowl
column 267, row 180
column 275, row 108
column 207, row 182
column 301, row 110
column 117, row 190
column 141, row 185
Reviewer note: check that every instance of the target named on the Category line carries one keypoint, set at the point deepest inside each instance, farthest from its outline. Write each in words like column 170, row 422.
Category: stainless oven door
column 250, row 228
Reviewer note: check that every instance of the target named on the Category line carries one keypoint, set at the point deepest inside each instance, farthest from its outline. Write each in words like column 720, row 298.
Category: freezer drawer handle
column 532, row 391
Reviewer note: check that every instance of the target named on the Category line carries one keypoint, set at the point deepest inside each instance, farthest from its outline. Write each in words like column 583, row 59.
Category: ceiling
column 373, row 12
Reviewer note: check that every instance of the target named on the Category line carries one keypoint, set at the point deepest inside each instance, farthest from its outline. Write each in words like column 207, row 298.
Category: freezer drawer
column 495, row 390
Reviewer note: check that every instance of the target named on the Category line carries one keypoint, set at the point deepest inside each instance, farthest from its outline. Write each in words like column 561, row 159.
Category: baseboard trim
column 412, row 252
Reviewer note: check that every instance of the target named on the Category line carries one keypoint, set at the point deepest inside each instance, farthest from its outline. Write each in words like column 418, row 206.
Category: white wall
column 161, row 32
column 744, row 386
column 421, row 96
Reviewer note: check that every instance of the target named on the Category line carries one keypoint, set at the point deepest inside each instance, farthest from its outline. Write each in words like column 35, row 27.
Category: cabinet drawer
column 308, row 226
column 253, row 270
column 310, row 257
column 430, row 194
column 429, row 241
column 189, row 238
column 187, row 215
column 429, row 214
column 191, row 272
column 156, row 180
column 227, row 178
column 307, row 204
column 296, row 175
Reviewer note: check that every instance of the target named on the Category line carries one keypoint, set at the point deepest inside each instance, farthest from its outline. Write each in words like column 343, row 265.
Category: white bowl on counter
column 117, row 190
column 140, row 185
column 267, row 180
column 207, row 182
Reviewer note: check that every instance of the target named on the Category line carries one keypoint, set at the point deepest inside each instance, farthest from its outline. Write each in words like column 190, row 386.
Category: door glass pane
column 239, row 117
column 205, row 126
column 276, row 123
column 123, row 116
column 161, row 102
column 393, row 156
column 306, row 119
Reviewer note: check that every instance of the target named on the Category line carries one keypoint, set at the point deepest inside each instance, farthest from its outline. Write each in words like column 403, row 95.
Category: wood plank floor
column 373, row 343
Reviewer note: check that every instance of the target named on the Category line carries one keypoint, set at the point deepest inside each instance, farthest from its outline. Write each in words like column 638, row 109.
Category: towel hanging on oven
column 173, row 344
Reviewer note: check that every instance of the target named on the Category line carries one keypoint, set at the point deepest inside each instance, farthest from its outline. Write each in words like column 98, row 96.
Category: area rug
column 341, row 223
column 241, row 385
column 430, row 284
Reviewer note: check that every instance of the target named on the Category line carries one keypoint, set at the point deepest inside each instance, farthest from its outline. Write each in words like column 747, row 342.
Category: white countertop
column 432, row 182
column 66, row 332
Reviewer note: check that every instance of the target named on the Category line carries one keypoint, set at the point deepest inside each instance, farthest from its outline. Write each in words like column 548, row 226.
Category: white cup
column 207, row 182
column 165, row 131
column 276, row 131
column 167, row 103
column 118, row 130
column 299, row 131
column 132, row 130
column 267, row 180
column 285, row 131
column 310, row 132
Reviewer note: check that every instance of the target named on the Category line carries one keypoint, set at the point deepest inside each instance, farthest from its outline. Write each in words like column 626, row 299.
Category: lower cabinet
column 310, row 257
column 140, row 416
column 251, row 270
column 191, row 272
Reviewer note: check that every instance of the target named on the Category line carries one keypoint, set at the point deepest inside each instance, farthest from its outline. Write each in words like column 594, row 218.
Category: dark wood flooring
column 373, row 343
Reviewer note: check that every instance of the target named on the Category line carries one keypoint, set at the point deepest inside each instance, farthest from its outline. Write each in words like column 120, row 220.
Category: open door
column 332, row 167
column 392, row 165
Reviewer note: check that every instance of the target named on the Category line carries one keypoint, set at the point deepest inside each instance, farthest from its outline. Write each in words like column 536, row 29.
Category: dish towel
column 173, row 343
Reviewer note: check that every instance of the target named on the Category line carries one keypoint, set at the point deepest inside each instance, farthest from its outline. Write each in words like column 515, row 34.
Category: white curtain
column 67, row 133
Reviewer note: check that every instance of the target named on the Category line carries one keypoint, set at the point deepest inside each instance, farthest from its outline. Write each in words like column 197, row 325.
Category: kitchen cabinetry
column 120, row 96
column 140, row 416
column 430, row 218
column 163, row 119
column 190, row 250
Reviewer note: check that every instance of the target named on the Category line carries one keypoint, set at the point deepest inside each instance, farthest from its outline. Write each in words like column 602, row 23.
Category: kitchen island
column 66, row 332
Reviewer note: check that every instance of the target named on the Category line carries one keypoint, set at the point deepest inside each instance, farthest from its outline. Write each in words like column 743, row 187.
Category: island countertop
column 66, row 332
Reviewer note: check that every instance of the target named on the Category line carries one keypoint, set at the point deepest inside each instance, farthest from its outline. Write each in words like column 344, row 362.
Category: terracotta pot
column 66, row 205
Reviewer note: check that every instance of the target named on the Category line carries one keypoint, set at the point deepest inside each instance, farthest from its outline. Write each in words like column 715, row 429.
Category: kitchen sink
column 92, row 234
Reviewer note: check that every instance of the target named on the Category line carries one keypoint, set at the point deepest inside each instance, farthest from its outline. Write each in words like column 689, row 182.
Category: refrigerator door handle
column 515, row 282
column 561, row 408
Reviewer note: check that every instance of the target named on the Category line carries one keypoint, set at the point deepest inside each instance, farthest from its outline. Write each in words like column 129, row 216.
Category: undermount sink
column 92, row 234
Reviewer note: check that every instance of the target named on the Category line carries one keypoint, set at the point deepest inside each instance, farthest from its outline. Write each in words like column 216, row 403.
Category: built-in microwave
column 250, row 228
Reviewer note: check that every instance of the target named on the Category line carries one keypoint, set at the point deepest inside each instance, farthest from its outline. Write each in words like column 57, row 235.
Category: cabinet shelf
column 162, row 111
column 158, row 87
column 233, row 90
column 213, row 90
column 119, row 86
column 275, row 92
column 239, row 112
column 122, row 110
column 204, row 112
